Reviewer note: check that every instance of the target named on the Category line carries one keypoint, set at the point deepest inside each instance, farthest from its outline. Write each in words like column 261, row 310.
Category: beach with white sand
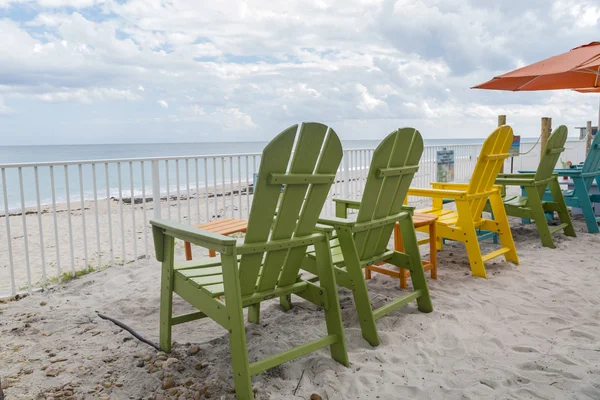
column 528, row 331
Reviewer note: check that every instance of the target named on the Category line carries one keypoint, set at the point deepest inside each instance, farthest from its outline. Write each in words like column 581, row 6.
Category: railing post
column 156, row 189
column 546, row 129
column 346, row 177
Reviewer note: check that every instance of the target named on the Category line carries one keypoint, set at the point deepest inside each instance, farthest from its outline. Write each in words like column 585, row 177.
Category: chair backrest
column 304, row 162
column 393, row 166
column 491, row 158
column 550, row 155
column 592, row 161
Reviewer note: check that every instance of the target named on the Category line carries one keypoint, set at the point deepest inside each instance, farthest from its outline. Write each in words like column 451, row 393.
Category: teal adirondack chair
column 582, row 179
column 533, row 204
column 364, row 242
column 267, row 264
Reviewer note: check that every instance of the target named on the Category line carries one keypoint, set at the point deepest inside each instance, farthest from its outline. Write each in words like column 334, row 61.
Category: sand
column 527, row 332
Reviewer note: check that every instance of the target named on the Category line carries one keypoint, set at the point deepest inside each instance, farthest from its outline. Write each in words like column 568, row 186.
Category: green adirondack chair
column 532, row 204
column 364, row 242
column 267, row 264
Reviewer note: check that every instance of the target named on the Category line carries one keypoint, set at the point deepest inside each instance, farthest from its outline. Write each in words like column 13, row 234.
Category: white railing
column 66, row 217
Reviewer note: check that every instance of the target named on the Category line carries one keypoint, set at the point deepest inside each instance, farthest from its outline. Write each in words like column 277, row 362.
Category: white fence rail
column 61, row 218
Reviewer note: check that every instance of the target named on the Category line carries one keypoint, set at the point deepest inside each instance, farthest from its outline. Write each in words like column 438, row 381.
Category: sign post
column 445, row 165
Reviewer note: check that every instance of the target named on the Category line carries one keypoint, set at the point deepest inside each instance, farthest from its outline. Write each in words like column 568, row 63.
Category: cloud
column 4, row 109
column 86, row 96
column 236, row 71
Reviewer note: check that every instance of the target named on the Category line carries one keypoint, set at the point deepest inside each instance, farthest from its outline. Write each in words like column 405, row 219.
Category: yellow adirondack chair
column 470, row 199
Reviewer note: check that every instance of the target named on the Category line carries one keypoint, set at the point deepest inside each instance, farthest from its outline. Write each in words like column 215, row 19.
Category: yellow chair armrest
column 438, row 193
column 450, row 185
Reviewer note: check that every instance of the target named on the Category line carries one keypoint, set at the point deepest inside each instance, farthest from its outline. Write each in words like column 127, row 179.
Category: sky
column 117, row 71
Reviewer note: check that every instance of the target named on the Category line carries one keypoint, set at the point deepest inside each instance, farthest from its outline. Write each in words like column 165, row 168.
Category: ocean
column 67, row 180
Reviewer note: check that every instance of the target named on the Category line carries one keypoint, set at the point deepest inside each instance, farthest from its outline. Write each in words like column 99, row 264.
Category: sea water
column 67, row 179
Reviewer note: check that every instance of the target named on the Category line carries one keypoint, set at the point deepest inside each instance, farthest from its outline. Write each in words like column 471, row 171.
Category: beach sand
column 527, row 332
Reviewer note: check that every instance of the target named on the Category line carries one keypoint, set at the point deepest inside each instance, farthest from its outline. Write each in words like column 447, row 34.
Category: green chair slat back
column 383, row 196
column 299, row 207
column 550, row 155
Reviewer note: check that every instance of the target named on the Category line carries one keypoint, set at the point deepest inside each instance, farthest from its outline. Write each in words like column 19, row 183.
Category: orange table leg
column 433, row 251
column 188, row 251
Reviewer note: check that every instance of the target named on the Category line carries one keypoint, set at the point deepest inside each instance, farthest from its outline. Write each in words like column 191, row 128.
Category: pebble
column 107, row 385
column 57, row 359
column 170, row 361
column 147, row 357
column 140, row 364
column 193, row 350
column 168, row 383
column 52, row 372
column 315, row 396
column 161, row 358
column 158, row 363
column 43, row 303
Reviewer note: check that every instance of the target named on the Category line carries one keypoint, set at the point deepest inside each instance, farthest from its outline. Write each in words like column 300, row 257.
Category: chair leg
column 586, row 206
column 166, row 293
column 286, row 302
column 563, row 211
column 537, row 211
column 399, row 246
column 506, row 238
column 432, row 251
column 237, row 332
column 359, row 288
column 239, row 360
column 254, row 313
column 417, row 275
column 333, row 315
column 465, row 221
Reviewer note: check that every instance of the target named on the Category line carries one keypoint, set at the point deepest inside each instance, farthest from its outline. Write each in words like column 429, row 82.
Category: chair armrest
column 409, row 209
column 199, row 237
column 449, row 185
column 336, row 222
column 526, row 171
column 354, row 204
column 323, row 228
column 568, row 172
column 515, row 180
column 438, row 193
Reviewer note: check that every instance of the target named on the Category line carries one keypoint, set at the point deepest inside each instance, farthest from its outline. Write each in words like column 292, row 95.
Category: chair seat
column 205, row 274
column 516, row 201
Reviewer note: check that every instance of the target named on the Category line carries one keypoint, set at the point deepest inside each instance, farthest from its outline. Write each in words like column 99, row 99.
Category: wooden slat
column 550, row 156
column 275, row 158
column 301, row 179
column 305, row 157
column 487, row 169
column 328, row 163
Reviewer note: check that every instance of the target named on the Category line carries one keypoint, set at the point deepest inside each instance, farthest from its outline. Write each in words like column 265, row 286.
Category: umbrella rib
column 526, row 83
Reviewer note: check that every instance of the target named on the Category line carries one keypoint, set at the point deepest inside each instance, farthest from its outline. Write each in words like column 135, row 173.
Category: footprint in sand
column 532, row 366
column 524, row 349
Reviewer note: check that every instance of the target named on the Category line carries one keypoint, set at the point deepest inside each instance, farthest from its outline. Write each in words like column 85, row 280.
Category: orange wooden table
column 419, row 220
column 224, row 227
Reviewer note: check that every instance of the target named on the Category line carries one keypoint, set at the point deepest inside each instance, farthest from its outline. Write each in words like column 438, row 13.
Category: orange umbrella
column 575, row 69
